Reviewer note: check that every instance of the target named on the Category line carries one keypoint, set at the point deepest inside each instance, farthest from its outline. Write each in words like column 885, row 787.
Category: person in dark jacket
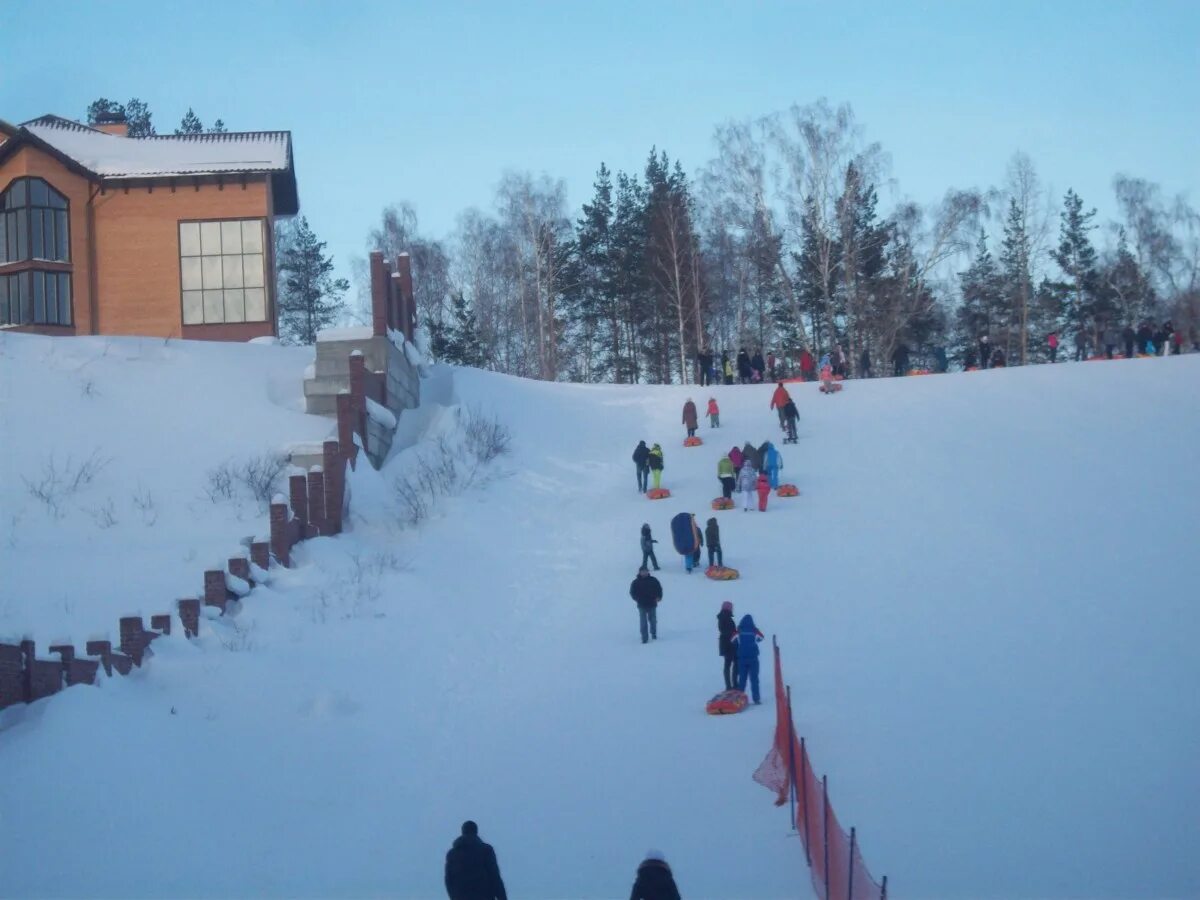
column 940, row 363
column 1128, row 335
column 646, row 593
column 751, row 456
column 472, row 872
column 743, row 366
column 790, row 415
column 900, row 360
column 1081, row 342
column 757, row 367
column 985, row 351
column 648, row 547
column 1145, row 339
column 712, row 534
column 654, row 880
column 641, row 459
column 998, row 360
column 726, row 629
column 704, row 361
column 864, row 365
column 747, row 639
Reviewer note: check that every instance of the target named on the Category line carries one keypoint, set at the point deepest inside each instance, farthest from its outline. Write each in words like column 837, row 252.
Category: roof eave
column 26, row 138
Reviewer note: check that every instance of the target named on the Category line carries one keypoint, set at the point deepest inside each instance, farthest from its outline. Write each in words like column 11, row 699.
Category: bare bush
column 485, row 437
column 237, row 638
column 105, row 515
column 259, row 476
column 58, row 483
column 88, row 390
column 143, row 502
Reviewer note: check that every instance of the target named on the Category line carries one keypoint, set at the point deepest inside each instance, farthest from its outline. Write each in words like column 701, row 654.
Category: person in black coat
column 1145, row 338
column 864, row 365
column 646, row 593
column 641, row 459
column 743, row 366
column 1127, row 336
column 900, row 360
column 712, row 534
column 704, row 361
column 648, row 543
column 654, row 880
column 726, row 629
column 758, row 365
column 472, row 872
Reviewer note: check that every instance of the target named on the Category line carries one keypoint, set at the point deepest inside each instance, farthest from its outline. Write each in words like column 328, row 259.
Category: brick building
column 169, row 236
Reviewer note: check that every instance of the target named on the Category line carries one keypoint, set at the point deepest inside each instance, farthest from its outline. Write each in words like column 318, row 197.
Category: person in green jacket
column 656, row 465
column 726, row 475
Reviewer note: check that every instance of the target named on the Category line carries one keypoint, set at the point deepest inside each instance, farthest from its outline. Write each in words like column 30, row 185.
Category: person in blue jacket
column 772, row 463
column 746, row 640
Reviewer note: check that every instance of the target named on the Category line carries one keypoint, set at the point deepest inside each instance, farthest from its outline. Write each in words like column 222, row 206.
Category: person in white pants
column 747, row 484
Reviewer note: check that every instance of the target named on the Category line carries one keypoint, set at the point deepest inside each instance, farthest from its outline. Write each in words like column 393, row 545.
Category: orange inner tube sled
column 658, row 493
column 722, row 503
column 692, row 441
column 787, row 490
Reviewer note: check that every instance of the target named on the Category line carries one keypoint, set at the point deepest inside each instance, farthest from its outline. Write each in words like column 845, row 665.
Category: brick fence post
column 102, row 649
column 281, row 543
column 298, row 497
column 408, row 311
column 240, row 566
column 11, row 683
column 189, row 615
column 335, row 485
column 316, row 500
column 161, row 622
column 135, row 638
column 345, row 426
column 260, row 554
column 379, row 320
column 214, row 588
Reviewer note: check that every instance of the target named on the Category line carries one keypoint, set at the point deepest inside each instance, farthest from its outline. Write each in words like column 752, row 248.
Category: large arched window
column 35, row 230
column 34, row 223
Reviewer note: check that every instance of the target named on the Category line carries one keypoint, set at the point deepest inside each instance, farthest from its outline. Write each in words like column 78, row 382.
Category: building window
column 35, row 298
column 34, row 223
column 222, row 271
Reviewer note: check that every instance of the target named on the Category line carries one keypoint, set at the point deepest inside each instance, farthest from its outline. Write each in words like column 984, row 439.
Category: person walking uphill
column 773, row 464
column 747, row 639
column 763, row 485
column 646, row 593
column 714, row 413
column 747, row 483
column 790, row 415
column 726, row 475
column 654, row 879
column 648, row 543
column 655, row 461
column 726, row 629
column 779, row 400
column 472, row 872
column 641, row 459
column 712, row 534
column 689, row 417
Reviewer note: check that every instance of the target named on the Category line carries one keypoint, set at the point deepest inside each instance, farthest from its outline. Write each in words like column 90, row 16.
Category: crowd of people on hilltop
column 1088, row 342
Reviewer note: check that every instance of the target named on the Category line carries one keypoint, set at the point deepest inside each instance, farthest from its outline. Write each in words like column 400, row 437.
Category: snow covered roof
column 113, row 157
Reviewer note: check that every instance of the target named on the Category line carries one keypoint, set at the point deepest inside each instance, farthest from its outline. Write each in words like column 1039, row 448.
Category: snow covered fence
column 315, row 507
column 834, row 858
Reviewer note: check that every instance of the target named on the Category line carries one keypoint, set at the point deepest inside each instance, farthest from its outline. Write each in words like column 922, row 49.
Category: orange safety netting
column 833, row 856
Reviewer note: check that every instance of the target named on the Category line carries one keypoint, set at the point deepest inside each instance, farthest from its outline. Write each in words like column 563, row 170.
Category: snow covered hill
column 985, row 598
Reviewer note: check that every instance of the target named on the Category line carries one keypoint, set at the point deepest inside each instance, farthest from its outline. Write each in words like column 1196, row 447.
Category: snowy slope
column 985, row 598
column 154, row 418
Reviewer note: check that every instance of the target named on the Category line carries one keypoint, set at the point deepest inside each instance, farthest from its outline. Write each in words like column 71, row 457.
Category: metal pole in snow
column 791, row 739
column 804, row 801
column 825, row 792
column 883, row 889
column 850, row 878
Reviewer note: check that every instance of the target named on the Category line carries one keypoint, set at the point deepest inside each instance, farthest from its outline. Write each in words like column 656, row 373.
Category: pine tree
column 982, row 311
column 1129, row 290
column 1076, row 257
column 630, row 279
column 218, row 127
column 595, row 309
column 310, row 298
column 1015, row 256
column 138, row 117
column 457, row 340
column 191, row 124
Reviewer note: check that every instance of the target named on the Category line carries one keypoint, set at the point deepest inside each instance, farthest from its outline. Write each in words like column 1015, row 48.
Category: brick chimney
column 112, row 123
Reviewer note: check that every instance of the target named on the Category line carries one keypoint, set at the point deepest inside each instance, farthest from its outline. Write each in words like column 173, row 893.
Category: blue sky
column 432, row 102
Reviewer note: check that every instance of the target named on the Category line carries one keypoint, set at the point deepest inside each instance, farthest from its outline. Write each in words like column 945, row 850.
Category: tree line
column 778, row 243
